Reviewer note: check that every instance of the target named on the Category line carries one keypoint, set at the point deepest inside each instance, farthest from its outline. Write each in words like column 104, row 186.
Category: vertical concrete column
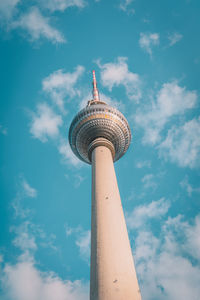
column 112, row 274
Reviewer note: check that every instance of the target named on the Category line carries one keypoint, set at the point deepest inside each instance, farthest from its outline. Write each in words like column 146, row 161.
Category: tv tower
column 100, row 135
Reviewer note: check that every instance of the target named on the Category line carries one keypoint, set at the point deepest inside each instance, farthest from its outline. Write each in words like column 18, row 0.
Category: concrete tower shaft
column 99, row 120
column 112, row 275
column 99, row 135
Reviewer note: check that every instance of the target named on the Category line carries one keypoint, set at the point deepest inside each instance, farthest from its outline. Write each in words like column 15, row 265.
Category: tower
column 100, row 135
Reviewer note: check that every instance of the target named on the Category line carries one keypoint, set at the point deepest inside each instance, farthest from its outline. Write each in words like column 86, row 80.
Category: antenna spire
column 95, row 89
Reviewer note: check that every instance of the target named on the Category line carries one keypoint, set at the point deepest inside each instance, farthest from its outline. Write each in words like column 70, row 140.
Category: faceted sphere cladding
column 99, row 121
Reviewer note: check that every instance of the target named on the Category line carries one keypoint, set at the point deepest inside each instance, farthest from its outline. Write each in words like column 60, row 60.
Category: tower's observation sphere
column 99, row 124
column 99, row 120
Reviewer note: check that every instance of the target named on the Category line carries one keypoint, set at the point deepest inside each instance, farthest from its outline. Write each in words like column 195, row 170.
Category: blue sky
column 147, row 57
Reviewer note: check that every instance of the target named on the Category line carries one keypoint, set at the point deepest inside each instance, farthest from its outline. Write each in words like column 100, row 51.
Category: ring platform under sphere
column 99, row 120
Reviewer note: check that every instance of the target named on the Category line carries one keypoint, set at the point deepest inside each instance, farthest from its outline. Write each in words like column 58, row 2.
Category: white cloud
column 78, row 180
column 182, row 144
column 37, row 26
column 7, row 8
column 166, row 275
column 189, row 234
column 143, row 164
column 185, row 185
column 174, row 38
column 24, row 281
column 45, row 123
column 60, row 84
column 29, row 191
column 3, row 130
column 1, row 258
column 24, row 240
column 163, row 263
column 188, row 187
column 141, row 214
column 125, row 4
column 72, row 230
column 24, row 191
column 146, row 245
column 115, row 74
column 171, row 100
column 83, row 242
column 26, row 233
column 67, row 154
column 149, row 181
column 61, row 5
column 148, row 40
column 193, row 237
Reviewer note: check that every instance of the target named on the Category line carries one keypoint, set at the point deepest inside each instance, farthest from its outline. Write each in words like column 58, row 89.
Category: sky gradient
column 146, row 55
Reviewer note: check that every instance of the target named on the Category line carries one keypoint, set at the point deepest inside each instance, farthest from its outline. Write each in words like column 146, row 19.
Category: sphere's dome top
column 99, row 120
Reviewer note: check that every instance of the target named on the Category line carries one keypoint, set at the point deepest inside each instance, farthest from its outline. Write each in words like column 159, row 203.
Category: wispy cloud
column 182, row 144
column 163, row 263
column 7, row 8
column 78, row 180
column 174, row 38
column 149, row 182
column 72, row 230
column 67, row 155
column 29, row 191
column 188, row 187
column 171, row 100
column 24, row 191
column 148, row 40
column 117, row 73
column 37, row 26
column 24, row 239
column 35, row 19
column 62, row 5
column 143, row 213
column 82, row 240
column 125, row 6
column 26, row 233
column 3, row 130
column 143, row 164
column 187, row 232
column 1, row 258
column 60, row 84
column 45, row 123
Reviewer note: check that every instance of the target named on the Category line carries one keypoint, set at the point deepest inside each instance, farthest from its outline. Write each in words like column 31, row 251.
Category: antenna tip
column 94, row 77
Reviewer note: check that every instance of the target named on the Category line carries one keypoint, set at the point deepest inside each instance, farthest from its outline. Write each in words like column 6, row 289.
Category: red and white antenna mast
column 95, row 89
